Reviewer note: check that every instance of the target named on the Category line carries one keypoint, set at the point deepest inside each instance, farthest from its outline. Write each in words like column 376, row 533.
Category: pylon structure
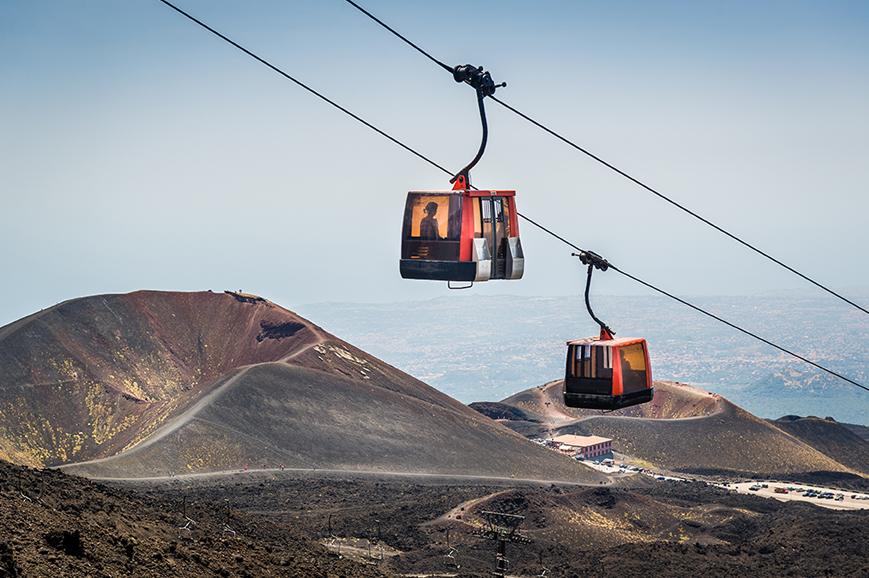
column 503, row 528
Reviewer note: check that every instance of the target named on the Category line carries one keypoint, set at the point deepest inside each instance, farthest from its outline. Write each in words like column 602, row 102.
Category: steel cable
column 302, row 85
column 624, row 174
column 434, row 164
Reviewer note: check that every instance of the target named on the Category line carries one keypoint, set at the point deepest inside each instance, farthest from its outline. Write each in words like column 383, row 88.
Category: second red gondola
column 607, row 373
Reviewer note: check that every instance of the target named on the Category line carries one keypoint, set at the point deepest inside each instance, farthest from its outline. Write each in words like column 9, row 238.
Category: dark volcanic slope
column 732, row 440
column 302, row 418
column 860, row 430
column 601, row 518
column 683, row 429
column 202, row 382
column 829, row 438
column 81, row 529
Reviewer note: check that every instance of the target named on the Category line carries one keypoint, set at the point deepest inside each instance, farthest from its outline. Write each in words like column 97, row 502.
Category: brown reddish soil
column 92, row 376
column 75, row 528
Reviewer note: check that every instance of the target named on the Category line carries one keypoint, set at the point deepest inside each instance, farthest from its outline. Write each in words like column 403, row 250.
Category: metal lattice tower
column 503, row 528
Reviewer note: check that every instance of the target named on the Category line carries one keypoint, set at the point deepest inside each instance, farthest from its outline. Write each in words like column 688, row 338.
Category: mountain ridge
column 149, row 383
column 91, row 376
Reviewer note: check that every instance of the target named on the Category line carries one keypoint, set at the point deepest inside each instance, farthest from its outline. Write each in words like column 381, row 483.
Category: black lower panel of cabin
column 598, row 401
column 438, row 270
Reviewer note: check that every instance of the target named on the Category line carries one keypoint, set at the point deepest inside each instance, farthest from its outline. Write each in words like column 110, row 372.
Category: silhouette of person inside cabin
column 428, row 226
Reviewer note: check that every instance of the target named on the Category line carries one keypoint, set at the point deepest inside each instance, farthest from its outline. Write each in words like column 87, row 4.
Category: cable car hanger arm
column 594, row 261
column 482, row 82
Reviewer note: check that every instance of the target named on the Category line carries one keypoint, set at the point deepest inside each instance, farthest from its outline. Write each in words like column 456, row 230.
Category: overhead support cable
column 563, row 240
column 420, row 50
column 624, row 174
column 302, row 85
column 729, row 324
column 698, row 309
column 677, row 205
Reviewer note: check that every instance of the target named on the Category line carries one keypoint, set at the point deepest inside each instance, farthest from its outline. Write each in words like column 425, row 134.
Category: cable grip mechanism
column 593, row 259
column 476, row 77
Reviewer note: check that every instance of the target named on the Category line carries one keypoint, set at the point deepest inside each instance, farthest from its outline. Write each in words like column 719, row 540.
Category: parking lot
column 787, row 491
column 607, row 468
column 824, row 497
column 782, row 491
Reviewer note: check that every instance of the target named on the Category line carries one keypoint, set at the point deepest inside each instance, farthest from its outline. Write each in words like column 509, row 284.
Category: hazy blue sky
column 138, row 151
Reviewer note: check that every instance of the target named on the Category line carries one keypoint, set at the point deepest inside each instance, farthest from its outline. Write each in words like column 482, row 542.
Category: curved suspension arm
column 465, row 172
column 604, row 328
column 485, row 86
column 593, row 260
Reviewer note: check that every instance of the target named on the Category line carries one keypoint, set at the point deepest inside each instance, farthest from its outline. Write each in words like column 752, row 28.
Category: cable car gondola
column 461, row 235
column 606, row 372
column 465, row 234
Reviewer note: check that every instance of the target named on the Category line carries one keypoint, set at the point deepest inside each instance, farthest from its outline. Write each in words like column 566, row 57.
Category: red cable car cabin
column 607, row 373
column 461, row 235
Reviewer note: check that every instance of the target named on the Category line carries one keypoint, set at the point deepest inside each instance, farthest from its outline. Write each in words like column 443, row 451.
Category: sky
column 139, row 151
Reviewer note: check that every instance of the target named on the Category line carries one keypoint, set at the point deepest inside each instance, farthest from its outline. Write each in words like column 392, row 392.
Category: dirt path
column 317, row 472
column 556, row 417
column 359, row 548
column 178, row 422
column 455, row 513
column 304, row 348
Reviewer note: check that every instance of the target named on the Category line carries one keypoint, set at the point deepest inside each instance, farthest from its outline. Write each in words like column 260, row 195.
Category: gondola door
column 497, row 228
column 490, row 208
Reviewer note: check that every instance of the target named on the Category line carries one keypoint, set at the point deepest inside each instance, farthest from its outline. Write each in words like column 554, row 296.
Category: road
column 435, row 478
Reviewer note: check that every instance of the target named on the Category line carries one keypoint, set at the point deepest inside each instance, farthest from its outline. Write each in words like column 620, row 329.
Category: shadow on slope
column 277, row 414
